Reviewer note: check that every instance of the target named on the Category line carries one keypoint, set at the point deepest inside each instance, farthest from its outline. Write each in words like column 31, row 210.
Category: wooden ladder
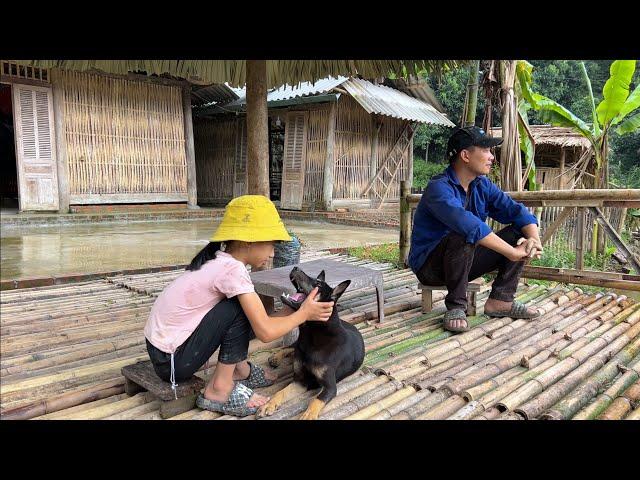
column 381, row 183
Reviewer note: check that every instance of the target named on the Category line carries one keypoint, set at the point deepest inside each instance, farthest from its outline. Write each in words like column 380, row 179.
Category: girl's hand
column 313, row 310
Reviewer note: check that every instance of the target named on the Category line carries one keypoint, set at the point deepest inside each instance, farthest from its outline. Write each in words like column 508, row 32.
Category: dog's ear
column 339, row 290
column 320, row 276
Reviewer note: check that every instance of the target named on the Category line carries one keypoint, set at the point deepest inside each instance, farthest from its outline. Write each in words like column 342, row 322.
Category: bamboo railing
column 592, row 200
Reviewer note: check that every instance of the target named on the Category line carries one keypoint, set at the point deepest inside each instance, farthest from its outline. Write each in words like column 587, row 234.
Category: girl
column 213, row 304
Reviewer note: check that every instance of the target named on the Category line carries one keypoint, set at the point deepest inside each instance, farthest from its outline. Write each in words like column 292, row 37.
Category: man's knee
column 510, row 234
column 459, row 243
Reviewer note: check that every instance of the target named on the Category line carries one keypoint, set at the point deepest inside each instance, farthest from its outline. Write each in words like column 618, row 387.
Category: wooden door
column 35, row 147
column 240, row 181
column 293, row 166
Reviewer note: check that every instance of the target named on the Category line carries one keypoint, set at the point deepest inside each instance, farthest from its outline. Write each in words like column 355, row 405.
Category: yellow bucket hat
column 251, row 218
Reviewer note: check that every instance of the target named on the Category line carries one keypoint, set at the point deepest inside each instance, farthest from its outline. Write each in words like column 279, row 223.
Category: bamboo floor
column 62, row 348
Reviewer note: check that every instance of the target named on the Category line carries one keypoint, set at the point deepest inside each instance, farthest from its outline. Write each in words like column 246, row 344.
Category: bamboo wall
column 317, row 131
column 352, row 149
column 214, row 143
column 123, row 136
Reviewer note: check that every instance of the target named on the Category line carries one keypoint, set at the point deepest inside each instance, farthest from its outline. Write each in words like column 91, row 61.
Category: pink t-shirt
column 182, row 305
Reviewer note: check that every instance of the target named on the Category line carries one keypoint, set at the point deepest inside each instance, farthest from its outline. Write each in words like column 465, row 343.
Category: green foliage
column 616, row 91
column 561, row 255
column 383, row 253
column 423, row 171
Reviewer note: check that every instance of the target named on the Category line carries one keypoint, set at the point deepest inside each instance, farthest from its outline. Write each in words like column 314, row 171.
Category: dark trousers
column 454, row 263
column 225, row 326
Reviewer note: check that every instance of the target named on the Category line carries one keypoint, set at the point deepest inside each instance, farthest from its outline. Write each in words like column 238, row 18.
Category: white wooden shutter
column 295, row 150
column 240, row 159
column 35, row 147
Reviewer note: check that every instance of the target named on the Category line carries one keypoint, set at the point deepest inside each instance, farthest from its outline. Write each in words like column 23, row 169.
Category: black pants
column 225, row 326
column 454, row 263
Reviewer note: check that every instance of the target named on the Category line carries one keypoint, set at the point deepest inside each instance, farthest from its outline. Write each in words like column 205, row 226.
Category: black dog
column 325, row 352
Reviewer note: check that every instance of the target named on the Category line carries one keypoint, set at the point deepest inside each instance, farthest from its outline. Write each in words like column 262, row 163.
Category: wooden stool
column 141, row 376
column 427, row 296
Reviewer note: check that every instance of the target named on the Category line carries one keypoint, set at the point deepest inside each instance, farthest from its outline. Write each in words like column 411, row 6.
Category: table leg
column 380, row 299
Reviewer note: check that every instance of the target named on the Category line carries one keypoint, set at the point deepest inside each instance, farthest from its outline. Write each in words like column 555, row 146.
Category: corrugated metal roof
column 393, row 103
column 287, row 91
column 213, row 94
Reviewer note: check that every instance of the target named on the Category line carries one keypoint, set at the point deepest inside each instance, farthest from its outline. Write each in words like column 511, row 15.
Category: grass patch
column 383, row 253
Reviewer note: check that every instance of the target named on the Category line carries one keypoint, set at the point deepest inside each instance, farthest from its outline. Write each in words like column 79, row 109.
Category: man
column 451, row 244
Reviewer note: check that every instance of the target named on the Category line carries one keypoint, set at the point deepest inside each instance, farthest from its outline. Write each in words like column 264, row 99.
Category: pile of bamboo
column 63, row 348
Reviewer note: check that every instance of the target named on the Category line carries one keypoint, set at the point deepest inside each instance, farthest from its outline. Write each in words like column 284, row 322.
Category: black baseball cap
column 466, row 137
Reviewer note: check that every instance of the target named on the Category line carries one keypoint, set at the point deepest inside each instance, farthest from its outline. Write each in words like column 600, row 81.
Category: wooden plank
column 328, row 179
column 142, row 374
column 192, row 189
column 294, row 163
column 98, row 198
column 580, row 239
column 615, row 238
column 405, row 223
column 61, row 144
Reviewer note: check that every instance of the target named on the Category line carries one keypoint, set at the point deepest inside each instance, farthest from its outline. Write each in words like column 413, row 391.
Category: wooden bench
column 141, row 376
column 472, row 291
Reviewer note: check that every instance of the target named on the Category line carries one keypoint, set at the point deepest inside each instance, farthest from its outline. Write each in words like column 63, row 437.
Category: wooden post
column 562, row 159
column 61, row 144
column 192, row 189
column 405, row 222
column 373, row 165
column 329, row 163
column 410, row 161
column 257, row 128
column 580, row 239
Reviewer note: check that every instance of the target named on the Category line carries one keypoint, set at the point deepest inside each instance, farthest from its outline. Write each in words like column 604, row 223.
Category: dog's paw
column 267, row 409
column 313, row 411
column 275, row 360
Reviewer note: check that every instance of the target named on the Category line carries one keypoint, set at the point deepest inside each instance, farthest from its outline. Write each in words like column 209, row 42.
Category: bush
column 384, row 253
column 423, row 171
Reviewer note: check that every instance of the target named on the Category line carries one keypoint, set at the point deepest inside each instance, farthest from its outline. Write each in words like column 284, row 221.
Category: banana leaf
column 633, row 102
column 615, row 91
column 631, row 124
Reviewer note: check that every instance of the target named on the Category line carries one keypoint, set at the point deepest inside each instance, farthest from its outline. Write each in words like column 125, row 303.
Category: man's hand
column 532, row 246
column 518, row 254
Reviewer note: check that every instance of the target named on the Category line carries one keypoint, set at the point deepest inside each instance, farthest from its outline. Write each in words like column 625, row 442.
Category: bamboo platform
column 63, row 346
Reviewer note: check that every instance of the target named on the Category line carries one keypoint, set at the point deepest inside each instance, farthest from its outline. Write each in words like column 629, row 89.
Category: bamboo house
column 73, row 137
column 557, row 150
column 339, row 142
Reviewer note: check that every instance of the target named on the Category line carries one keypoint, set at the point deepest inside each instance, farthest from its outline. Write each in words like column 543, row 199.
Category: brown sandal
column 455, row 314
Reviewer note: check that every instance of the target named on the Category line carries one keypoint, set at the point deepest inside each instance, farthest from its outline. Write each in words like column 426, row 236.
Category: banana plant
column 526, row 140
column 614, row 110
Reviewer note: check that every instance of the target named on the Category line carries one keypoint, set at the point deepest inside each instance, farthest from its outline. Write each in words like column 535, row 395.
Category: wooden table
column 270, row 284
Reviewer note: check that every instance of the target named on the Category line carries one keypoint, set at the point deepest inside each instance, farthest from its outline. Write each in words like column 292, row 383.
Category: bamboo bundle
column 82, row 407
column 634, row 415
column 444, row 409
column 299, row 404
column 594, row 409
column 623, row 404
column 103, row 411
column 427, row 402
column 379, row 406
column 588, row 389
column 524, row 394
column 363, row 401
column 395, row 409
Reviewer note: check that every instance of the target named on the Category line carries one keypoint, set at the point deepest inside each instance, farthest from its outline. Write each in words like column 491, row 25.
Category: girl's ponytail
column 206, row 254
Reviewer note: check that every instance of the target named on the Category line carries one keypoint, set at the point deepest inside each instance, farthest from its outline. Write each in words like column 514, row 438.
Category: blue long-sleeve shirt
column 446, row 207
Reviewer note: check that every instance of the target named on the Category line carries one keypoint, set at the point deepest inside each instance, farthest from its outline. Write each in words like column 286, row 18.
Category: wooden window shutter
column 240, row 159
column 295, row 149
column 35, row 147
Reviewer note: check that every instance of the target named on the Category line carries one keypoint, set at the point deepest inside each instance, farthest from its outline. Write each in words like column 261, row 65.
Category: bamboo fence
column 123, row 136
column 317, row 133
column 63, row 347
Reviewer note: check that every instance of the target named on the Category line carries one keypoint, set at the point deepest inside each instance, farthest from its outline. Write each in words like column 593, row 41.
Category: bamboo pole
column 405, row 223
column 623, row 404
column 593, row 410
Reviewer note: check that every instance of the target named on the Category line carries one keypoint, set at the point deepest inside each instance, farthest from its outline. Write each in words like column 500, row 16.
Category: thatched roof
column 550, row 135
column 279, row 72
